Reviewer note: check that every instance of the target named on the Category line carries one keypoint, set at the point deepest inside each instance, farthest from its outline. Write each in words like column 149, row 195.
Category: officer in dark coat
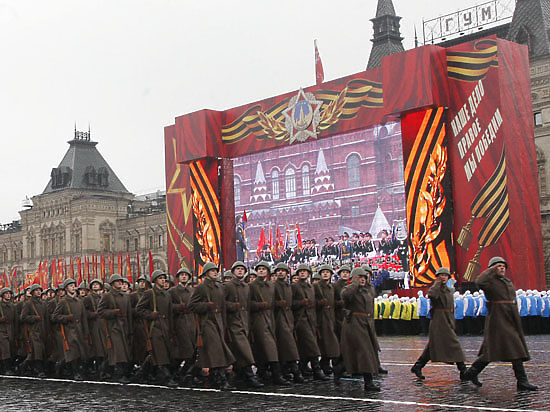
column 305, row 322
column 262, row 325
column 33, row 317
column 184, row 325
column 443, row 345
column 155, row 308
column 237, row 302
column 503, row 338
column 284, row 324
column 208, row 304
column 8, row 326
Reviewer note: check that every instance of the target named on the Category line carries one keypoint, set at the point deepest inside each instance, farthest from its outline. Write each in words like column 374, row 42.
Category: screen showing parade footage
column 335, row 200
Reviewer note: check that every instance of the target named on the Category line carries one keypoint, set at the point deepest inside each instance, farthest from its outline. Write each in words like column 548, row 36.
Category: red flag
column 151, row 267
column 14, row 276
column 95, row 266
column 86, row 268
column 120, row 260
column 71, row 267
column 245, row 219
column 261, row 243
column 138, row 268
column 55, row 282
column 319, row 73
column 79, row 271
column 111, row 264
column 102, row 268
column 5, row 279
column 278, row 242
column 299, row 236
column 129, row 269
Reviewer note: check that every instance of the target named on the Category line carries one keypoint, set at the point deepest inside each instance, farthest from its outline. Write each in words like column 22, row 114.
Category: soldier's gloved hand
column 281, row 303
column 264, row 305
column 340, row 302
column 182, row 307
column 116, row 311
column 210, row 306
column 155, row 315
column 324, row 302
column 37, row 318
column 304, row 302
column 2, row 320
column 69, row 318
column 94, row 315
column 237, row 306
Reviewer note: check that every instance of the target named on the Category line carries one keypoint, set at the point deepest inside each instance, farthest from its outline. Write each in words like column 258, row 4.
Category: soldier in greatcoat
column 443, row 345
column 8, row 327
column 208, row 304
column 33, row 317
column 96, row 351
column 503, row 338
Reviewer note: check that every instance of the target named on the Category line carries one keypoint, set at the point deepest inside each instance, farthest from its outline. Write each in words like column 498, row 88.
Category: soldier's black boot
column 120, row 374
column 318, row 373
column 369, row 384
column 277, row 376
column 381, row 370
column 474, row 370
column 417, row 369
column 521, row 376
column 263, row 372
column 39, row 369
column 75, row 367
column 462, row 369
column 250, row 378
column 142, row 373
column 104, row 370
column 8, row 368
column 338, row 370
column 23, row 367
column 165, row 377
column 325, row 366
column 306, row 370
column 296, row 373
column 220, row 380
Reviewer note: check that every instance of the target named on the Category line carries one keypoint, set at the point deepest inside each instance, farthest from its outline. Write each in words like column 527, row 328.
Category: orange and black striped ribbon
column 473, row 66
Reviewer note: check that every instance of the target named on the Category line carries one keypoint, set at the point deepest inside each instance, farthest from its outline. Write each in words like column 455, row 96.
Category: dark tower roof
column 531, row 26
column 387, row 36
column 84, row 168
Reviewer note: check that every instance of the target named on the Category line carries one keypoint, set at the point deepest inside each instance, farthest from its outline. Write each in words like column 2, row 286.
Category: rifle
column 27, row 341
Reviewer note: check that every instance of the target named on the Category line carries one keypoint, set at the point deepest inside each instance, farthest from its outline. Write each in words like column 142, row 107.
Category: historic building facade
column 84, row 210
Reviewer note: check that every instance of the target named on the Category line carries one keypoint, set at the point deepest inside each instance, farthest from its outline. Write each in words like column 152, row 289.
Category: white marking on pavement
column 290, row 395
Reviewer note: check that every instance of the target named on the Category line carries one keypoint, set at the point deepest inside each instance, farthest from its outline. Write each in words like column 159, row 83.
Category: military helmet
column 170, row 278
column 125, row 280
column 108, row 287
column 343, row 267
column 83, row 285
column 67, row 282
column 264, row 264
column 145, row 278
column 34, row 287
column 316, row 276
column 114, row 278
column 325, row 267
column 5, row 290
column 96, row 281
column 359, row 272
column 282, row 266
column 237, row 264
column 227, row 274
column 367, row 268
column 157, row 273
column 208, row 266
column 303, row 266
column 184, row 270
column 443, row 271
column 497, row 259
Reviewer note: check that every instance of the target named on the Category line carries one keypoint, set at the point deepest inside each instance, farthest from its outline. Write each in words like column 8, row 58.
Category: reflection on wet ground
column 441, row 391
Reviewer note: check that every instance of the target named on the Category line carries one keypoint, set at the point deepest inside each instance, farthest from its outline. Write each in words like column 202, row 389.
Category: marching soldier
column 324, row 297
column 305, row 324
column 83, row 289
column 96, row 351
column 284, row 323
column 262, row 322
column 114, row 308
column 8, row 328
column 155, row 306
column 139, row 341
column 237, row 301
column 208, row 304
column 503, row 339
column 359, row 343
column 443, row 345
column 343, row 279
column 33, row 316
column 184, row 325
column 71, row 316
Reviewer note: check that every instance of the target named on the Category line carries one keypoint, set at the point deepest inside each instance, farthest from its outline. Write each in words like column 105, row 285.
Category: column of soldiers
column 261, row 327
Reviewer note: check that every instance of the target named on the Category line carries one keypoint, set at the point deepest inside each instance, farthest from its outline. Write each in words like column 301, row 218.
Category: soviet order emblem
column 302, row 117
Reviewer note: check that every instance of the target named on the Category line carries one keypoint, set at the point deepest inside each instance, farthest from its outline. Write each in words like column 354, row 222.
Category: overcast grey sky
column 128, row 67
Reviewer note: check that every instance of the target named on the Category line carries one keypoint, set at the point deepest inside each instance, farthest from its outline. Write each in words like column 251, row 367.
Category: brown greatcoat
column 54, row 340
column 339, row 285
column 21, row 347
column 324, row 298
column 262, row 321
column 305, row 323
column 503, row 339
column 284, row 322
column 184, row 323
column 95, row 326
column 71, row 317
column 443, row 345
column 160, row 327
column 359, row 343
column 7, row 330
column 34, row 330
column 139, row 335
column 237, row 301
column 208, row 304
column 114, row 308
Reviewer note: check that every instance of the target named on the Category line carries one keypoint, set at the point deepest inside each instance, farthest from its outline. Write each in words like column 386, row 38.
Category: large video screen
column 334, row 200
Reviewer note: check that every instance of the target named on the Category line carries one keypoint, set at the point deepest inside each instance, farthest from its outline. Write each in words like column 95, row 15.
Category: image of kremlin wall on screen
column 337, row 200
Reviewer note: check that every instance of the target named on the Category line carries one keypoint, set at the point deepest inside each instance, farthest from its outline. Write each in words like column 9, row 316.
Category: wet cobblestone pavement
column 441, row 391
